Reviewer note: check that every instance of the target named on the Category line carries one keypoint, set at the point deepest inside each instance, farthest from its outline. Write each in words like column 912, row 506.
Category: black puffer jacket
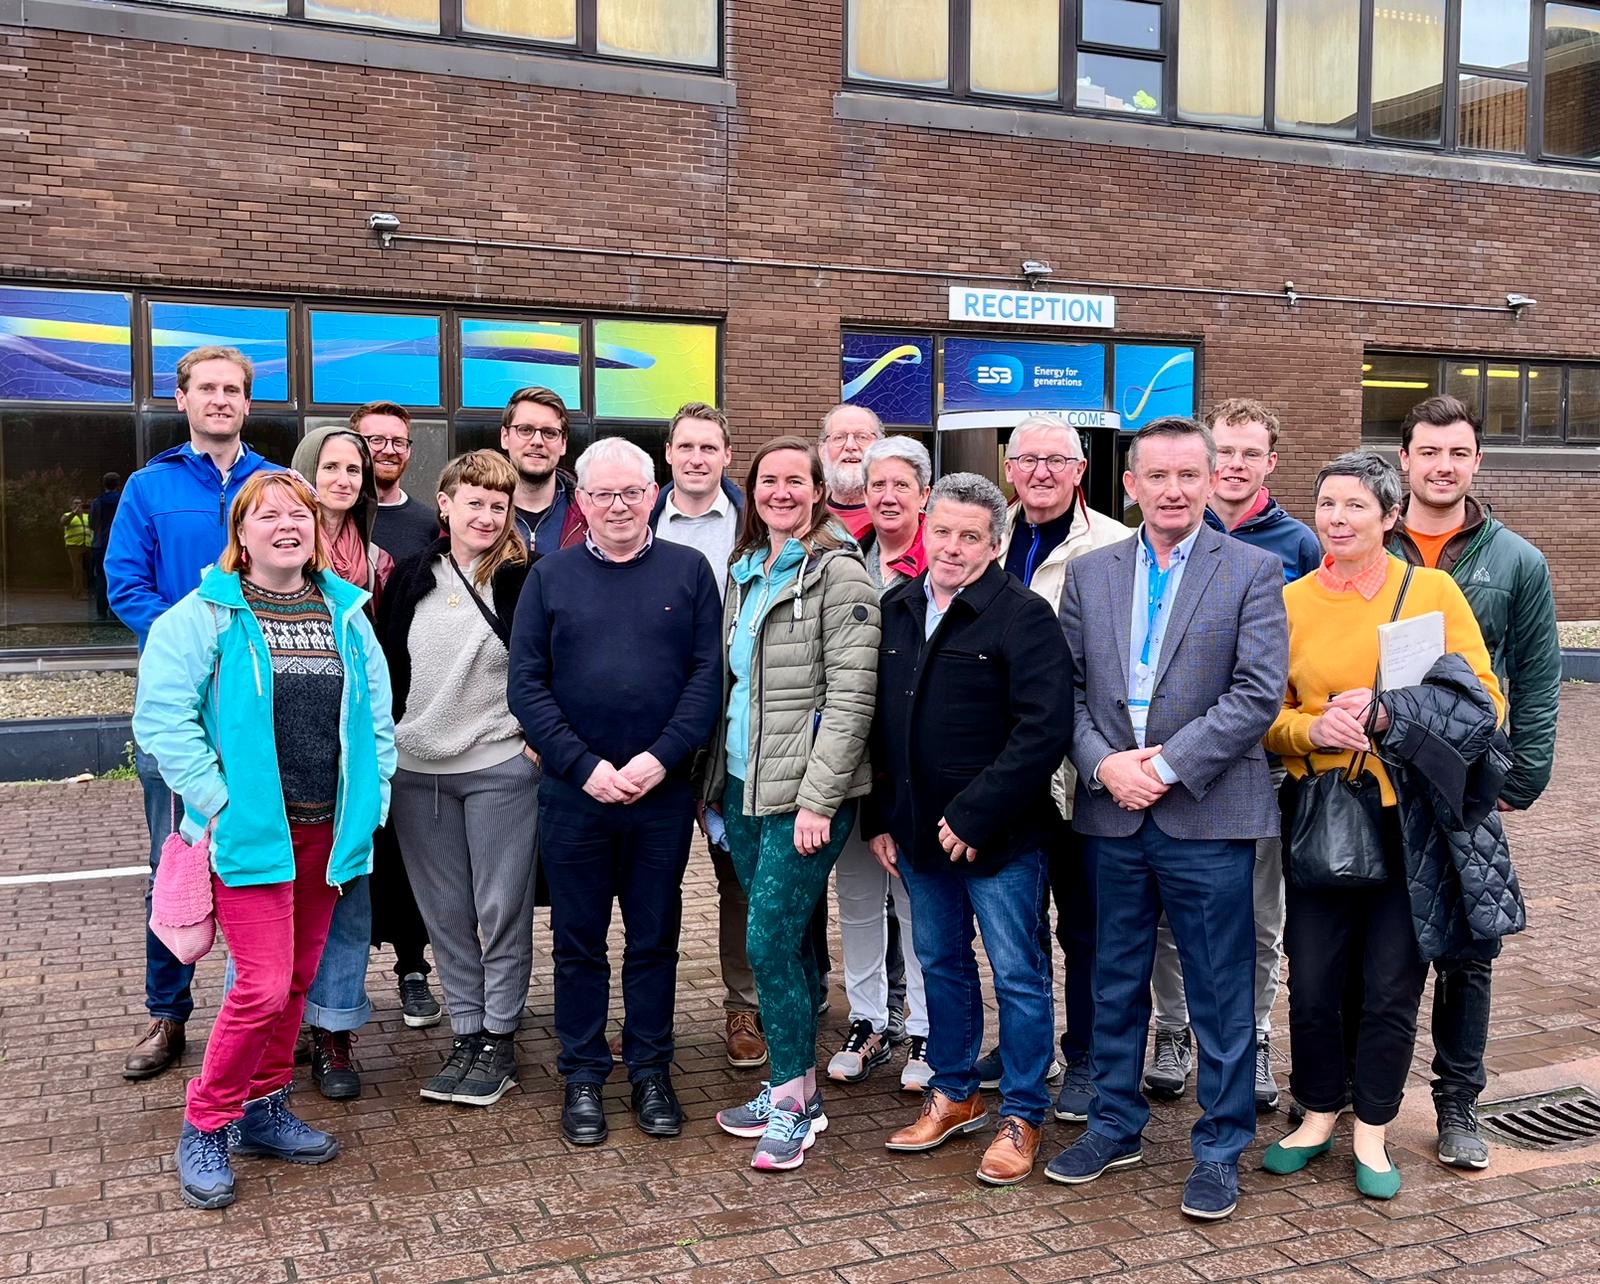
column 1448, row 761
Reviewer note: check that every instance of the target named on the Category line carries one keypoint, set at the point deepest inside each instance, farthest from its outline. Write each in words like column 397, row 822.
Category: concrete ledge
column 1580, row 664
column 54, row 748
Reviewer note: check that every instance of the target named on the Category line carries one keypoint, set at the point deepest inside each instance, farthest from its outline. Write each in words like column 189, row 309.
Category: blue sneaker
column 1091, row 1155
column 989, row 1068
column 788, row 1136
column 269, row 1129
column 1212, row 1191
column 750, row 1119
column 1077, row 1091
column 205, row 1178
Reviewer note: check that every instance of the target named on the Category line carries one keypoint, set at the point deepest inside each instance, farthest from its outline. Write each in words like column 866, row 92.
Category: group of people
column 961, row 710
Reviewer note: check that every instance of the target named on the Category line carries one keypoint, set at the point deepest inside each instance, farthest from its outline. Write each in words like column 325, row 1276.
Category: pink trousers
column 275, row 933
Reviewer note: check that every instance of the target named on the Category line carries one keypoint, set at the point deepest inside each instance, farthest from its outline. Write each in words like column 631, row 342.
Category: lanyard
column 1156, row 578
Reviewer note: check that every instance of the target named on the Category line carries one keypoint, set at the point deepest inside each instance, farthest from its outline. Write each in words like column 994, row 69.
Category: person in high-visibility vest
column 79, row 538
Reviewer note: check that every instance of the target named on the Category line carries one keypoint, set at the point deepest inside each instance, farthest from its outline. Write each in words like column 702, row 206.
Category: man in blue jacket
column 172, row 523
column 1246, row 433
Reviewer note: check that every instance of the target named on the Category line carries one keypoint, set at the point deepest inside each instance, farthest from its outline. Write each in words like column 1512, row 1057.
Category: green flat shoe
column 1376, row 1185
column 1284, row 1160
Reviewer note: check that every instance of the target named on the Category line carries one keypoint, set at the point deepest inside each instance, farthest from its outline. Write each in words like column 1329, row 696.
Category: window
column 1222, row 62
column 420, row 16
column 900, row 42
column 555, row 21
column 1318, row 68
column 1542, row 403
column 1015, row 48
column 1572, row 82
column 1408, row 70
column 1110, row 76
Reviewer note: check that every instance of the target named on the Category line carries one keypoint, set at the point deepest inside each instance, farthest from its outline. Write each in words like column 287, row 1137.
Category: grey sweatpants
column 468, row 845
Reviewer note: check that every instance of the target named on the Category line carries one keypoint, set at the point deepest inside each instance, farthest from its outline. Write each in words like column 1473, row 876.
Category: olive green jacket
column 814, row 687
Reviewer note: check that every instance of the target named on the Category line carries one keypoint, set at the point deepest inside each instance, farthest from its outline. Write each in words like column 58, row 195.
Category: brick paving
column 423, row 1194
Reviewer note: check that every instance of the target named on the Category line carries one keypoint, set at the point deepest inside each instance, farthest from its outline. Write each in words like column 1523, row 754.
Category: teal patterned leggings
column 784, row 888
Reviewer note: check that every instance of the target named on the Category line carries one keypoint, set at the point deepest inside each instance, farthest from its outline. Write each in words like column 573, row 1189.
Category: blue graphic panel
column 368, row 356
column 891, row 375
column 262, row 334
column 65, row 345
column 1152, row 382
column 499, row 357
column 982, row 374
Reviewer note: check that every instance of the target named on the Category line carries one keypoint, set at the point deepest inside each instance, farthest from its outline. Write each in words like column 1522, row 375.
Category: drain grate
column 1557, row 1120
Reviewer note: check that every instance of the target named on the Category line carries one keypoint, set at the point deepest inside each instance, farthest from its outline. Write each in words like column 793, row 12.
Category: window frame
column 1524, row 439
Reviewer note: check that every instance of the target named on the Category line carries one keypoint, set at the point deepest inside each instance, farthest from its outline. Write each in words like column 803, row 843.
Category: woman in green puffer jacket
column 789, row 760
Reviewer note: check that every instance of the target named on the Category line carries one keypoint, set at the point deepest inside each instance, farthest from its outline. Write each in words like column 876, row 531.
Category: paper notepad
column 1408, row 648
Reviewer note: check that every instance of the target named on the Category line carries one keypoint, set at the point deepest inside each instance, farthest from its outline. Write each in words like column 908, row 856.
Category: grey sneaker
column 1460, row 1146
column 750, row 1119
column 863, row 1049
column 1266, row 1085
column 787, row 1138
column 1174, row 1060
column 896, row 1030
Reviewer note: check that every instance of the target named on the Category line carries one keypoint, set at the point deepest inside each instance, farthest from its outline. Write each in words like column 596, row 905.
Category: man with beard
column 847, row 431
column 404, row 526
column 534, row 434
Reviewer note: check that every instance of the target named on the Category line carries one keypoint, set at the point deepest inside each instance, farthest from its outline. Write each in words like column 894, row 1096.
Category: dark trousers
column 635, row 855
column 1460, row 1026
column 1205, row 889
column 1336, row 940
column 817, row 933
column 1069, row 888
column 395, row 916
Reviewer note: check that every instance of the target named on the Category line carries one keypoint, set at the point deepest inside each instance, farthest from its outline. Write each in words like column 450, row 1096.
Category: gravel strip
column 66, row 695
column 1580, row 633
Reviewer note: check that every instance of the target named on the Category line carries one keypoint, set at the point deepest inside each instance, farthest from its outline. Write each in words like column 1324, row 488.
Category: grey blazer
column 1220, row 682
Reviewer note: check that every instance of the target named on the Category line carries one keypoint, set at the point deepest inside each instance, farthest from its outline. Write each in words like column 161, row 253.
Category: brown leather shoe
column 940, row 1120
column 1010, row 1156
column 742, row 1037
column 159, row 1047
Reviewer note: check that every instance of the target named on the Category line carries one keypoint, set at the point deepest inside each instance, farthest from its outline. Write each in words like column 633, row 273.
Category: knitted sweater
column 456, row 718
column 1333, row 647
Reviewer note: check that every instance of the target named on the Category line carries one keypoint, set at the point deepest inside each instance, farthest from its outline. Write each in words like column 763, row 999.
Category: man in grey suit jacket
column 1181, row 651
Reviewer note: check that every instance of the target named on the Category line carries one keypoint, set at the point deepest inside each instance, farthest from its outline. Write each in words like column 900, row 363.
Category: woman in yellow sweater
column 1334, row 616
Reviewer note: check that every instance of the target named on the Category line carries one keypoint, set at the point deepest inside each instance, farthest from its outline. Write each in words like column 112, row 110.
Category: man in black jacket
column 974, row 714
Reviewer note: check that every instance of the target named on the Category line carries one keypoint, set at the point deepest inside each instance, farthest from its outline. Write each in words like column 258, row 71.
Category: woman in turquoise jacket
column 264, row 698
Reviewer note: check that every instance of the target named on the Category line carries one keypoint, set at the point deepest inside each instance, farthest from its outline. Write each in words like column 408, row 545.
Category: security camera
column 1035, row 270
column 387, row 224
column 1516, row 302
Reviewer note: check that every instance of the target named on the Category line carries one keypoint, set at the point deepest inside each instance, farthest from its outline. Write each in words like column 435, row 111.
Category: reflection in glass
column 64, row 345
column 1493, row 114
column 1408, row 70
column 1016, row 48
column 900, row 42
column 241, row 6
column 1544, row 400
column 1222, row 62
column 659, row 30
column 1583, row 403
column 1494, row 33
column 1572, row 82
column 398, row 15
column 552, row 20
column 1390, row 387
column 1107, row 83
column 365, row 356
column 500, row 356
column 1317, row 71
column 1464, row 381
column 1129, row 23
column 647, row 369
column 1502, row 401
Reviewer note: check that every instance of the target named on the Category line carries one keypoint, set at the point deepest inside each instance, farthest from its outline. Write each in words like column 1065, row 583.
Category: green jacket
column 1507, row 584
column 815, row 675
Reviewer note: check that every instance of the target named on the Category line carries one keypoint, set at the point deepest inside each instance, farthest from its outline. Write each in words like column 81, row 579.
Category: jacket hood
column 223, row 588
column 308, row 454
column 1274, row 514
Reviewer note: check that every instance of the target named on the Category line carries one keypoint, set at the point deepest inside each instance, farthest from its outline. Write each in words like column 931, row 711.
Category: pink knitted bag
column 181, row 912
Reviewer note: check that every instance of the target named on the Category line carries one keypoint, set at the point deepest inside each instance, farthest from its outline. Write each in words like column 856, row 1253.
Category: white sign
column 955, row 421
column 1032, row 307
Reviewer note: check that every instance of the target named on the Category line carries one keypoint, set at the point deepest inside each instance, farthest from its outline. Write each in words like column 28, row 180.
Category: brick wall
column 184, row 167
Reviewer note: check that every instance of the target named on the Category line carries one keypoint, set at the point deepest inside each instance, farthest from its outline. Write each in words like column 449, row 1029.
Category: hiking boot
column 1460, row 1146
column 493, row 1070
column 332, row 1068
column 1266, row 1085
column 741, row 1038
column 1172, row 1065
column 205, row 1177
column 417, row 1005
column 442, row 1087
column 271, row 1130
column 160, row 1046
column 863, row 1049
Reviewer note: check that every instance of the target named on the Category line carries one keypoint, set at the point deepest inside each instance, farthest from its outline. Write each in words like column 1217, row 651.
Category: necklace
column 454, row 600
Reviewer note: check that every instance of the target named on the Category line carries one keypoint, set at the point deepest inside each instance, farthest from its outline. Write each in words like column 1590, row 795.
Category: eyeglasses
column 1252, row 456
column 606, row 498
column 852, row 438
column 400, row 445
column 527, row 432
column 1055, row 463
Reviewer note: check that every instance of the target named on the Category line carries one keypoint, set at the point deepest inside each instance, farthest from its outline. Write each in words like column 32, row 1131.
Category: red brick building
column 644, row 200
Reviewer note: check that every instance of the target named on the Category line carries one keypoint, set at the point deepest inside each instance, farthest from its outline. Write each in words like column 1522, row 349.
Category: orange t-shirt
column 1430, row 546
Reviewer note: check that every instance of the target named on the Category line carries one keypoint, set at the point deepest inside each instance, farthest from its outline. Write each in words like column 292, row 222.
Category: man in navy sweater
column 616, row 677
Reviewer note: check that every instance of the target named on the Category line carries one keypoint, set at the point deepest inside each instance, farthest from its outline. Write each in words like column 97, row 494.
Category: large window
column 685, row 33
column 87, row 379
column 1537, row 403
column 1507, row 77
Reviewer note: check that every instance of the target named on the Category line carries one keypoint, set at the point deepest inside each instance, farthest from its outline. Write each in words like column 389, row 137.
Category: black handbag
column 1335, row 837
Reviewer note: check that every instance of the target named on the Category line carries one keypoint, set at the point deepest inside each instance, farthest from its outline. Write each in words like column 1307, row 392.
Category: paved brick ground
column 434, row 1193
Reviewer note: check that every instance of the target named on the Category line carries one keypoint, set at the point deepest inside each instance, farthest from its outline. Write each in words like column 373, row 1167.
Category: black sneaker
column 493, row 1070
column 1460, row 1146
column 333, row 1068
column 463, row 1051
column 1171, row 1067
column 417, row 1004
column 896, row 1029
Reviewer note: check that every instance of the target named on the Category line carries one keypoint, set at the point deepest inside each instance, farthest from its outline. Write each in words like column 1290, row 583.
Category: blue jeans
column 166, row 981
column 945, row 901
column 337, row 999
column 1205, row 888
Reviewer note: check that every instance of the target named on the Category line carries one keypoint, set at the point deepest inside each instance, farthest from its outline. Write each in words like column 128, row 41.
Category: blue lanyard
column 1156, row 578
column 1033, row 552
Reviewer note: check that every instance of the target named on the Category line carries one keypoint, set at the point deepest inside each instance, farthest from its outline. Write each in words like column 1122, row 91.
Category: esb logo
column 995, row 373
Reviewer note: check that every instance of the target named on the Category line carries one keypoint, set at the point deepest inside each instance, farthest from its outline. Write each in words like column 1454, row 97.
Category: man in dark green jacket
column 1507, row 584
